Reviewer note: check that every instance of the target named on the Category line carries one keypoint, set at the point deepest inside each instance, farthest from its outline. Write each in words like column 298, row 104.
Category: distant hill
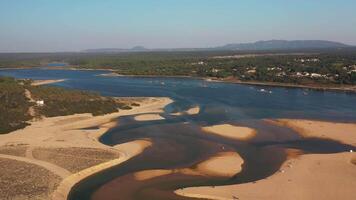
column 283, row 45
column 116, row 50
column 256, row 46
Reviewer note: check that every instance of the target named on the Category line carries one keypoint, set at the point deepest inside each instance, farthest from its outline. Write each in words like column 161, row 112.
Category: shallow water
column 178, row 141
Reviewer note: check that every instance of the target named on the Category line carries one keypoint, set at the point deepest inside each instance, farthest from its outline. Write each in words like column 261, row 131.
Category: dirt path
column 31, row 110
column 63, row 173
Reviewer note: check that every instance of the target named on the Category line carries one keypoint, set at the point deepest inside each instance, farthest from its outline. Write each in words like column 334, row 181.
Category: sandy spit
column 46, row 82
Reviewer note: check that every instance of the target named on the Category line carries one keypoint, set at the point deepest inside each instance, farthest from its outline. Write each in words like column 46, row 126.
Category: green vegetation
column 322, row 67
column 15, row 106
column 60, row 102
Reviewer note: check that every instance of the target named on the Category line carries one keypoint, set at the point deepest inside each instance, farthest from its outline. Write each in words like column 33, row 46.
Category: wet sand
column 302, row 177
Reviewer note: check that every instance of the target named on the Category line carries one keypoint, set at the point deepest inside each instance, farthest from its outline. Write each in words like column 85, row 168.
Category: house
column 40, row 103
column 315, row 75
column 251, row 71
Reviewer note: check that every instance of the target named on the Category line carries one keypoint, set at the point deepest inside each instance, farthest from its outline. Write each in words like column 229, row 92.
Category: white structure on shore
column 40, row 103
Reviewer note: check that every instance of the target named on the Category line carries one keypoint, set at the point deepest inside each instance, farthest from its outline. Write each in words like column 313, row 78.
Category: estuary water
column 179, row 142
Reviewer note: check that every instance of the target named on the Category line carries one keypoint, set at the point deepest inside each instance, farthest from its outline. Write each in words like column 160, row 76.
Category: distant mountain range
column 256, row 46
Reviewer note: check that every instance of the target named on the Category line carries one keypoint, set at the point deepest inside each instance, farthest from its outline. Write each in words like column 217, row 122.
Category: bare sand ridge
column 231, row 131
column 46, row 138
column 46, row 82
column 308, row 177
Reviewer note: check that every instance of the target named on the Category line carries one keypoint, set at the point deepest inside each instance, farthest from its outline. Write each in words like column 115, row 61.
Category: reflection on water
column 179, row 142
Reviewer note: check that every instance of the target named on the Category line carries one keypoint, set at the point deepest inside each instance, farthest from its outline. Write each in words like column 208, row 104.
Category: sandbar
column 231, row 131
column 303, row 177
column 148, row 117
column 46, row 82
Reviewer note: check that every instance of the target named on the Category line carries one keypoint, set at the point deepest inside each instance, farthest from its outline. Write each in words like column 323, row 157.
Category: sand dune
column 231, row 131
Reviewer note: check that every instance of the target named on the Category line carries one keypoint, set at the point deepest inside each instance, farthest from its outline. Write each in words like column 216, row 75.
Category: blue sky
column 71, row 25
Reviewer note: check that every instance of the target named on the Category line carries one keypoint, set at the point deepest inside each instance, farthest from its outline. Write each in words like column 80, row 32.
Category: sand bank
column 306, row 177
column 225, row 164
column 231, row 131
column 342, row 132
column 148, row 117
column 45, row 82
column 191, row 111
column 67, row 132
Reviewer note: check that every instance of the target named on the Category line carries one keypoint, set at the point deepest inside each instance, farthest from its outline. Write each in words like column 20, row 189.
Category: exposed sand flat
column 343, row 132
column 223, row 164
column 192, row 111
column 46, row 82
column 306, row 177
column 149, row 174
column 309, row 177
column 230, row 131
column 67, row 132
column 148, row 117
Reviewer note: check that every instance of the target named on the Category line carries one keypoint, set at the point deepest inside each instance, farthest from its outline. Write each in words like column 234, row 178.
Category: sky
column 74, row 25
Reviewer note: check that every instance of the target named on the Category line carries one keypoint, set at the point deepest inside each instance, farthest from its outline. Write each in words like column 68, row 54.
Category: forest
column 333, row 66
column 15, row 105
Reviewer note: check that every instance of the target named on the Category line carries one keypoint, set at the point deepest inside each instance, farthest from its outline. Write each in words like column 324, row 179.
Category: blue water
column 178, row 141
column 226, row 100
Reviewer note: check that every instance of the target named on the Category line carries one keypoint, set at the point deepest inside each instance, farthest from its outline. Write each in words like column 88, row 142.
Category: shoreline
column 66, row 132
column 293, row 181
column 46, row 82
column 113, row 73
column 286, row 85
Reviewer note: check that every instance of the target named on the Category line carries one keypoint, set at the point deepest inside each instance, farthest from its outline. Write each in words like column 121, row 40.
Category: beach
column 46, row 82
column 303, row 177
column 67, row 149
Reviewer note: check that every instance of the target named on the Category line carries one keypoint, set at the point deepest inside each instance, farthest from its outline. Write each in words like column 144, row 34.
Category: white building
column 40, row 103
